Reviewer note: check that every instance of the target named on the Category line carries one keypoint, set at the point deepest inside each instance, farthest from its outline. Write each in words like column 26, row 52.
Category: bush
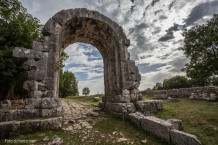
column 176, row 83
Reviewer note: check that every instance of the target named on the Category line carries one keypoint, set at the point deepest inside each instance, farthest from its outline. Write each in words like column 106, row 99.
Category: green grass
column 199, row 117
column 110, row 124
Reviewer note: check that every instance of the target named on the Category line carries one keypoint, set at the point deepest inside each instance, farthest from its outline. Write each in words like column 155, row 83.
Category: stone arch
column 121, row 76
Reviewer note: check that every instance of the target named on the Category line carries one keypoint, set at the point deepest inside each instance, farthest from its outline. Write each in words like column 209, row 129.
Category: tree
column 158, row 86
column 176, row 82
column 17, row 29
column 215, row 81
column 201, row 46
column 86, row 91
column 68, row 85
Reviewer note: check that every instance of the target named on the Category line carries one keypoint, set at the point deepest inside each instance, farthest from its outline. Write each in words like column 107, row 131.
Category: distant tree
column 158, row 86
column 176, row 82
column 215, row 81
column 17, row 29
column 68, row 85
column 86, row 91
column 201, row 46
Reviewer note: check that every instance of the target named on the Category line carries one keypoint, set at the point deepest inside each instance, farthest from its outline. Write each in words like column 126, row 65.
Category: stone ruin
column 121, row 77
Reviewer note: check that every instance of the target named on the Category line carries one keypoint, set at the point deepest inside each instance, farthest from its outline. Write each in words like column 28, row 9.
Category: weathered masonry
column 121, row 76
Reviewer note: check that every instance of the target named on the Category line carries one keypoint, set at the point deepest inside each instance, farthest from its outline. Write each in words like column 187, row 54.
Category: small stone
column 122, row 139
column 213, row 97
column 71, row 120
column 144, row 141
column 56, row 141
column 77, row 126
column 69, row 128
column 173, row 99
column 96, row 99
column 94, row 114
column 97, row 109
column 45, row 138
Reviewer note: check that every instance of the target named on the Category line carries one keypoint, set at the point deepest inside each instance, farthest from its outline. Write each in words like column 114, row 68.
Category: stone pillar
column 37, row 83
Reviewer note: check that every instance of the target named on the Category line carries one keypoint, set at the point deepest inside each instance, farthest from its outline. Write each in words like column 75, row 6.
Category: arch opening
column 86, row 62
column 101, row 36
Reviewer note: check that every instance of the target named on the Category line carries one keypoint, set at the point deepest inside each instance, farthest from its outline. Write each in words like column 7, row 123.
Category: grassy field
column 199, row 117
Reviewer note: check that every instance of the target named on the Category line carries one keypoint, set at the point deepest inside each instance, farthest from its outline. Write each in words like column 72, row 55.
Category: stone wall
column 13, row 128
column 163, row 129
column 206, row 93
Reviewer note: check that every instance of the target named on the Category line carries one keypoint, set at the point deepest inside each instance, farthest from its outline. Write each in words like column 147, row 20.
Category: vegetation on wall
column 17, row 29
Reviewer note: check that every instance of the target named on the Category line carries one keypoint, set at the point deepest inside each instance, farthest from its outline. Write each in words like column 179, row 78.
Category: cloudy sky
column 154, row 28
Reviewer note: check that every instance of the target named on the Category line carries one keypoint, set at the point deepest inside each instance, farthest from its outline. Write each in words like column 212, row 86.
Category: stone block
column 160, row 96
column 177, row 124
column 27, row 113
column 36, row 94
column 125, row 92
column 48, row 103
column 134, row 91
column 54, row 112
column 51, row 27
column 13, row 128
column 38, row 46
column 136, row 118
column 30, row 64
column 181, row 138
column 49, row 82
column 2, row 116
column 42, row 64
column 134, row 97
column 31, row 103
column 149, row 107
column 51, row 123
column 213, row 97
column 124, row 108
column 120, row 99
column 62, row 17
column 9, row 129
column 124, row 99
column 30, row 85
column 29, row 126
column 140, row 96
column 20, row 52
column 157, row 126
column 41, row 86
column 50, row 94
column 11, row 115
